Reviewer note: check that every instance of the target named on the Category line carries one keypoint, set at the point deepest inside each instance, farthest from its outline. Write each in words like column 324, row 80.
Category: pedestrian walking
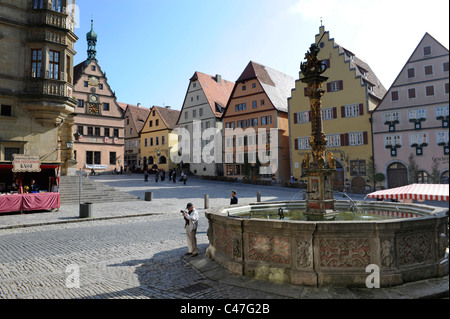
column 234, row 199
column 183, row 177
column 156, row 176
column 191, row 217
column 174, row 175
column 145, row 176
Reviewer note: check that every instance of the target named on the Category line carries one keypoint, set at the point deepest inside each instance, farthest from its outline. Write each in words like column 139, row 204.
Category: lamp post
column 319, row 171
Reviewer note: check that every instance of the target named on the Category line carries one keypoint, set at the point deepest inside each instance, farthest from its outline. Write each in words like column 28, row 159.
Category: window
column 390, row 117
column 335, row 86
column 54, row 65
column 86, row 84
column 392, row 140
column 254, row 85
column 106, row 131
column 241, row 107
column 36, row 63
column 422, row 177
column 194, row 113
column 100, row 86
column 156, row 122
column 441, row 111
column 429, row 70
column 333, row 140
column 200, row 112
column 356, row 138
column 358, row 168
column 244, row 87
column 80, row 103
column 186, row 115
column 329, row 113
column 57, row 5
column 97, row 131
column 353, row 110
column 93, row 157
column 80, row 130
column 429, row 90
column 442, row 137
column 411, row 73
column 163, row 140
column 151, row 141
column 446, row 88
column 302, row 143
column 417, row 114
column 427, row 51
column 6, row 110
column 157, row 140
column 266, row 120
column 112, row 158
column 262, row 102
column 90, row 130
column 418, row 139
column 412, row 93
column 254, row 104
column 116, row 132
column 445, row 67
column 394, row 96
column 38, row 4
column 9, row 152
column 150, row 123
column 301, row 117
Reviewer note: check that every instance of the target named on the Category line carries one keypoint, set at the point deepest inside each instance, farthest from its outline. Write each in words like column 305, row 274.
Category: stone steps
column 91, row 192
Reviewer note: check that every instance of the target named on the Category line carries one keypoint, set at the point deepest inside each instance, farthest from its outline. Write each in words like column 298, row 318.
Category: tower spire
column 91, row 38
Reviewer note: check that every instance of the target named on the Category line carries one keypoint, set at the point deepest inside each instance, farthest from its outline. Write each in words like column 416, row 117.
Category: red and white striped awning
column 419, row 192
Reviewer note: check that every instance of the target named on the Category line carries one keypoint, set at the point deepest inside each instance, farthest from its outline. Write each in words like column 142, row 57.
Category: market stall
column 26, row 184
column 420, row 192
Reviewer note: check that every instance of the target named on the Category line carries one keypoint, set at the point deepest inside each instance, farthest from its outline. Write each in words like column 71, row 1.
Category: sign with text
column 26, row 163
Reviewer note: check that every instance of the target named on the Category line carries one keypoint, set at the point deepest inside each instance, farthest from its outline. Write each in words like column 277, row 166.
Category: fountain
column 407, row 242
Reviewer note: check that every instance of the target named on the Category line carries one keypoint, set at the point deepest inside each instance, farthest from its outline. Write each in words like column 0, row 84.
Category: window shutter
column 328, row 87
column 366, row 138
column 344, row 139
column 361, row 109
column 295, row 118
column 296, row 143
column 341, row 85
column 342, row 111
column 334, row 112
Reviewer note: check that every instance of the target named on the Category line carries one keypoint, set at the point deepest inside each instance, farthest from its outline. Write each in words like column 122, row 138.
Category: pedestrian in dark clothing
column 234, row 199
column 145, row 176
column 174, row 176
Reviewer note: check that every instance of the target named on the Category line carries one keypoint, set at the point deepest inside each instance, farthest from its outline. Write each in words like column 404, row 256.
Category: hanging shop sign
column 26, row 163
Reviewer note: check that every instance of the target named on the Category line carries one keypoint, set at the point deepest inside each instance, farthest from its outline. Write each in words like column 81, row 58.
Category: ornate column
column 320, row 200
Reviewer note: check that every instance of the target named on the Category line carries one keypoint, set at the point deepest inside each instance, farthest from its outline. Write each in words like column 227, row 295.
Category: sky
column 150, row 49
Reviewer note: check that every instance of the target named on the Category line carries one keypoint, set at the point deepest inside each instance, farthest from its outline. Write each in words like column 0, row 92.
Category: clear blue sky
column 150, row 49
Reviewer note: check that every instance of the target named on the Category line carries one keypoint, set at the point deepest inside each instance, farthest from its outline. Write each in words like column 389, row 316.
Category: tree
column 413, row 169
column 435, row 173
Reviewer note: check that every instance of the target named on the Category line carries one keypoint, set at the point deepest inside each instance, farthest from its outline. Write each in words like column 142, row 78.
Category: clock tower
column 99, row 119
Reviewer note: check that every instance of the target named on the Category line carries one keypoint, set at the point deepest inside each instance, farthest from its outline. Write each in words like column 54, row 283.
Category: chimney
column 139, row 105
column 218, row 78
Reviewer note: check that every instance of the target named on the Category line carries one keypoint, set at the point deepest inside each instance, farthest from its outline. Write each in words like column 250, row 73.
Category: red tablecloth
column 40, row 201
column 10, row 203
column 27, row 202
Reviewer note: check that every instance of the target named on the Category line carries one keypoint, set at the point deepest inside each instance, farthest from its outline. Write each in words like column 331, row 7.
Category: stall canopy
column 420, row 192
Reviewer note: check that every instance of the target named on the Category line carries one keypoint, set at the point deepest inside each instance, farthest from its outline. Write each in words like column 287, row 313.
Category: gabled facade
column 352, row 92
column 135, row 118
column 100, row 119
column 204, row 105
column 413, row 118
column 258, row 101
column 158, row 137
column 36, row 89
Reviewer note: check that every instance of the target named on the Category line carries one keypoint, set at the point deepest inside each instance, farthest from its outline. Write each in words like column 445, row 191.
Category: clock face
column 93, row 108
column 93, row 98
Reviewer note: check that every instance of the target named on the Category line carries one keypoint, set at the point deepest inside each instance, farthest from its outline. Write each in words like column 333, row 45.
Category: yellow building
column 157, row 137
column 351, row 93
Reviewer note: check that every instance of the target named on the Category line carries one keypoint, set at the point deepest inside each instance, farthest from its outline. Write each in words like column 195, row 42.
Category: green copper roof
column 91, row 35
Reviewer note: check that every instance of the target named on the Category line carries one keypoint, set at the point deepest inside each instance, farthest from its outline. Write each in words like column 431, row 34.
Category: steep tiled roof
column 217, row 92
column 169, row 116
column 363, row 70
column 139, row 114
column 276, row 84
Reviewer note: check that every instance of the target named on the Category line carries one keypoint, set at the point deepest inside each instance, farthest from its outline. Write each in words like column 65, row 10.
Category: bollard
column 258, row 197
column 148, row 196
column 206, row 201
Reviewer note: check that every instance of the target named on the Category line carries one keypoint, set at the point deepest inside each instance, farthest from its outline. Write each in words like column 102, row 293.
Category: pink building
column 100, row 119
column 410, row 125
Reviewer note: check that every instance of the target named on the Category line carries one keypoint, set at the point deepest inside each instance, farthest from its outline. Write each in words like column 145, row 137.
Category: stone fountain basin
column 331, row 253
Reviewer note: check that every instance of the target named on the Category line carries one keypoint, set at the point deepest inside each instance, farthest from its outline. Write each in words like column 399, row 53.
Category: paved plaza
column 136, row 249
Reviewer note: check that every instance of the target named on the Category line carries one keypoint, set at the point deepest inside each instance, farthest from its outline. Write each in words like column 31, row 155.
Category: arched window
column 422, row 177
column 162, row 160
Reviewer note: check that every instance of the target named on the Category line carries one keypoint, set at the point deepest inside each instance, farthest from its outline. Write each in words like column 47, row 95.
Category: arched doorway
column 397, row 175
column 444, row 178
